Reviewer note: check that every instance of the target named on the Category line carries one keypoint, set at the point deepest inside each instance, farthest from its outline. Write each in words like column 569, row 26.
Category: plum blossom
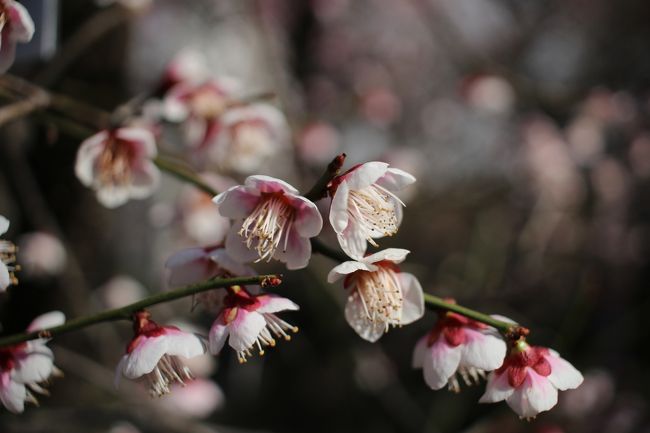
column 380, row 295
column 197, row 399
column 25, row 366
column 529, row 380
column 7, row 258
column 42, row 254
column 458, row 346
column 200, row 107
column 271, row 222
column 364, row 205
column 249, row 322
column 118, row 165
column 251, row 134
column 16, row 25
column 155, row 354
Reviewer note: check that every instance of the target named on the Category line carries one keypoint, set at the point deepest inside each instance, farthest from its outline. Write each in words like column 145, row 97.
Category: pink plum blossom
column 25, row 366
column 271, row 222
column 118, row 165
column 197, row 399
column 7, row 258
column 200, row 107
column 251, row 134
column 188, row 66
column 364, row 205
column 16, row 25
column 380, row 295
column 529, row 380
column 41, row 254
column 458, row 346
column 155, row 354
column 249, row 322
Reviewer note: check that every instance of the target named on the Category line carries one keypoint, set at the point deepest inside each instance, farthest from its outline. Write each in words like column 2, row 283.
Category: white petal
column 297, row 254
column 184, row 344
column 352, row 241
column 236, row 246
column 37, row 365
column 221, row 257
column 236, row 202
column 5, row 279
column 413, row 306
column 47, row 320
column 144, row 358
column 113, row 196
column 395, row 255
column 497, row 388
column 245, row 329
column 366, row 174
column 355, row 315
column 4, row 225
column 395, row 179
column 535, row 395
column 308, row 222
column 183, row 257
column 440, row 363
column 142, row 138
column 12, row 394
column 563, row 375
column 88, row 152
column 346, row 268
column 144, row 180
column 339, row 208
column 22, row 25
column 217, row 336
column 418, row 352
column 483, row 351
column 274, row 304
column 263, row 183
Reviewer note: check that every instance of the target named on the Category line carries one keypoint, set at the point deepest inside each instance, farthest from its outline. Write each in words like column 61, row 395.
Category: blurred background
column 525, row 123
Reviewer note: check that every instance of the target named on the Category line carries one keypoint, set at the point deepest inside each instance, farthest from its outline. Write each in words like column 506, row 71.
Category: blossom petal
column 308, row 222
column 440, row 363
column 5, row 278
column 563, row 375
column 339, row 216
column 7, row 52
column 113, row 196
column 236, row 246
column 352, row 241
column 4, row 225
column 36, row 366
column 22, row 25
column 144, row 180
column 236, row 202
column 217, row 337
column 47, row 320
column 144, row 358
column 142, row 138
column 348, row 267
column 535, row 395
column 497, row 388
column 184, row 344
column 483, row 351
column 413, row 304
column 87, row 154
column 274, row 304
column 245, row 329
column 263, row 183
column 395, row 255
column 366, row 174
column 297, row 254
column 12, row 394
column 221, row 257
column 395, row 179
column 355, row 314
column 418, row 352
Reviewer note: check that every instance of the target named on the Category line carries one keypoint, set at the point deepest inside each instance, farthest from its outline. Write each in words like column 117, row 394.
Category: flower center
column 267, row 228
column 208, row 104
column 114, row 163
column 274, row 327
column 169, row 369
column 8, row 258
column 470, row 375
column 373, row 209
column 381, row 295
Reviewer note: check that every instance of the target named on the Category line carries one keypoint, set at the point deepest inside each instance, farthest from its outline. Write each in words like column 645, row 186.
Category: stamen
column 169, row 370
column 268, row 226
column 381, row 296
column 373, row 209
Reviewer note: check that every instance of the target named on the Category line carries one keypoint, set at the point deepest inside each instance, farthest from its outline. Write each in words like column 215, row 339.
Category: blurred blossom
column 609, row 107
column 121, row 290
column 41, row 254
column 610, row 181
column 188, row 66
column 586, row 139
column 490, row 94
column 639, row 156
column 132, row 5
column 201, row 219
column 318, row 143
column 7, row 258
column 197, row 398
column 123, row 427
column 596, row 393
column 381, row 106
column 16, row 25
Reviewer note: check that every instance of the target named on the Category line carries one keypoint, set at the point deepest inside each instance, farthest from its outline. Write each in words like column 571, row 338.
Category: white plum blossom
column 197, row 399
column 16, row 25
column 458, row 346
column 364, row 205
column 249, row 322
column 188, row 66
column 155, row 354
column 529, row 380
column 118, row 165
column 25, row 366
column 7, row 258
column 380, row 295
column 41, row 254
column 271, row 222
column 250, row 135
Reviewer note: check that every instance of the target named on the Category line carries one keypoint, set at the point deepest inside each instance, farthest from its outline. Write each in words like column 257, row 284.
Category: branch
column 319, row 190
column 125, row 313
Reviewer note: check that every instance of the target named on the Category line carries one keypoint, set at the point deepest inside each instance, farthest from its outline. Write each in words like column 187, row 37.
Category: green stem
column 125, row 313
column 184, row 174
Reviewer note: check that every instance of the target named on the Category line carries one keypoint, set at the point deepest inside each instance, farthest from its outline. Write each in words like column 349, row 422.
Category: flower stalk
column 126, row 312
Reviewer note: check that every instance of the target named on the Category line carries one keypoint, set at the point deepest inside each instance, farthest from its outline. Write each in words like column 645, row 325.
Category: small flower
column 250, row 322
column 154, row 354
column 529, row 380
column 272, row 221
column 25, row 366
column 16, row 25
column 197, row 399
column 250, row 135
column 200, row 106
column 381, row 295
column 458, row 346
column 41, row 254
column 118, row 165
column 7, row 258
column 365, row 207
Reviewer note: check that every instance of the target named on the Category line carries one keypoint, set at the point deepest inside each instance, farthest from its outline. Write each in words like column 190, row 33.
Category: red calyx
column 516, row 364
column 452, row 326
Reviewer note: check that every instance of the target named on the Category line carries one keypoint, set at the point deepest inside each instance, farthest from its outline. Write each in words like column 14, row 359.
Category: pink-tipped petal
column 355, row 314
column 141, row 138
column 395, row 255
column 497, row 388
column 237, row 202
column 308, row 222
column 413, row 306
column 245, row 329
column 535, row 395
column 440, row 363
column 339, row 217
column 144, row 358
column 274, row 304
column 217, row 337
column 12, row 394
column 22, row 25
column 395, row 179
column 563, row 375
column 486, row 352
column 263, row 183
column 347, row 268
column 366, row 174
